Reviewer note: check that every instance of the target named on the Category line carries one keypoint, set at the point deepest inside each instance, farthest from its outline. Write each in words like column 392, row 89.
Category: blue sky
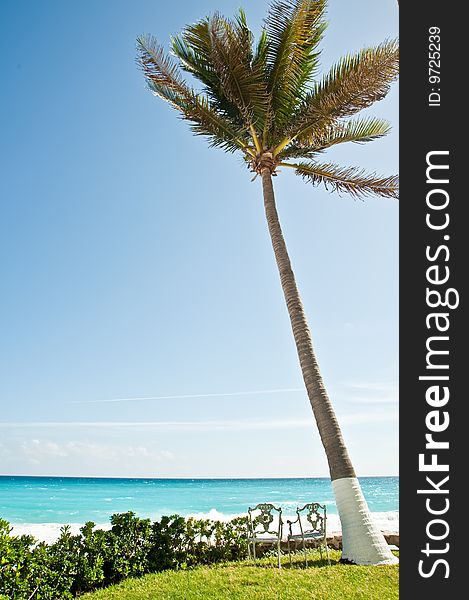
column 144, row 331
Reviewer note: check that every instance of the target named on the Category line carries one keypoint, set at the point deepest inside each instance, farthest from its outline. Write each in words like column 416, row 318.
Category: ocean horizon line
column 225, row 478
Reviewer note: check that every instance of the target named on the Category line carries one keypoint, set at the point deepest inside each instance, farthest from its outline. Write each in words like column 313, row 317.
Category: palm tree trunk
column 362, row 542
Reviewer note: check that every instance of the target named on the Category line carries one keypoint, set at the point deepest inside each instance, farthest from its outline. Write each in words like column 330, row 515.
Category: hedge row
column 96, row 558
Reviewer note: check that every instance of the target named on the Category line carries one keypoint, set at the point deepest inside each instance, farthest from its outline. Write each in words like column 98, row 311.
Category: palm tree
column 265, row 101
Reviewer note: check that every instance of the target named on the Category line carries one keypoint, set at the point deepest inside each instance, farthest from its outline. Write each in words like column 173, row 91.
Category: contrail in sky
column 349, row 419
column 184, row 396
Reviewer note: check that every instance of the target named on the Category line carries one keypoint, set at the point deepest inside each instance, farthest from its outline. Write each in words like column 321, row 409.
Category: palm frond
column 296, row 151
column 352, row 180
column 260, row 54
column 231, row 55
column 219, row 52
column 354, row 83
column 161, row 72
column 358, row 131
column 193, row 49
column 294, row 29
column 164, row 79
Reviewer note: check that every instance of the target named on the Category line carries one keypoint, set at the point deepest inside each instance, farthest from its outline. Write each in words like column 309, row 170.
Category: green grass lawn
column 243, row 581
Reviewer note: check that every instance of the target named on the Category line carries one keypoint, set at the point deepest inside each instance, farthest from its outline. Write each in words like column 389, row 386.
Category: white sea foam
column 386, row 521
column 49, row 532
column 215, row 515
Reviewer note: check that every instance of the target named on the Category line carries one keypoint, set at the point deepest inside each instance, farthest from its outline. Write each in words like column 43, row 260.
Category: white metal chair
column 264, row 527
column 311, row 519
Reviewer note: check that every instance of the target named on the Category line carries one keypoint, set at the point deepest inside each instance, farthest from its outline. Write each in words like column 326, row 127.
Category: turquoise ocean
column 41, row 505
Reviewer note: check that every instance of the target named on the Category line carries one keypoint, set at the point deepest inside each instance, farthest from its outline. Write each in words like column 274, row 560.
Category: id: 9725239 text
column 434, row 73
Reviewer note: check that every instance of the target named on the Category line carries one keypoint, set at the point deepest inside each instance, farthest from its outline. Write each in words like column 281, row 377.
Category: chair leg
column 278, row 554
column 304, row 552
column 289, row 552
column 254, row 551
column 327, row 554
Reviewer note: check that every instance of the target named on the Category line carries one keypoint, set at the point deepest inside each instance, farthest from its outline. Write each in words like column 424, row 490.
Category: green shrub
column 95, row 558
column 167, row 549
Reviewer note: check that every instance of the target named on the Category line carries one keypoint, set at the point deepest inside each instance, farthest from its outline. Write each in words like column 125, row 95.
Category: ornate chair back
column 265, row 519
column 312, row 519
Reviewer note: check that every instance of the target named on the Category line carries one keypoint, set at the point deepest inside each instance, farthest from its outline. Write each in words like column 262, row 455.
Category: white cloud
column 36, row 451
column 231, row 425
column 4, row 450
column 373, row 386
column 372, row 393
column 197, row 425
column 362, row 418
